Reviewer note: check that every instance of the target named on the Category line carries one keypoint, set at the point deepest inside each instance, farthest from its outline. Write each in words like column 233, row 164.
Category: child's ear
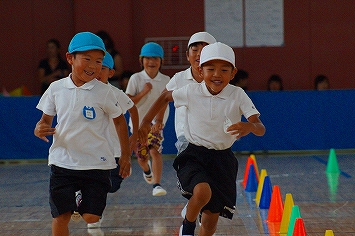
column 111, row 73
column 200, row 71
column 234, row 71
column 69, row 57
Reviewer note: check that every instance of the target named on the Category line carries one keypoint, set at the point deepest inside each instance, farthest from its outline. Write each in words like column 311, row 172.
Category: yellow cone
column 260, row 187
column 252, row 156
column 329, row 232
column 286, row 215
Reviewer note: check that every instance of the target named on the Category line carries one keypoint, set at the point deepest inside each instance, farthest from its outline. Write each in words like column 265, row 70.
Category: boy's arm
column 157, row 106
column 44, row 127
column 159, row 118
column 122, row 132
column 146, row 89
column 133, row 112
column 254, row 125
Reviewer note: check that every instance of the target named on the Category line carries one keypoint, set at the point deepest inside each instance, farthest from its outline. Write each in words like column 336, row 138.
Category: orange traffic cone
column 276, row 206
column 299, row 229
column 246, row 173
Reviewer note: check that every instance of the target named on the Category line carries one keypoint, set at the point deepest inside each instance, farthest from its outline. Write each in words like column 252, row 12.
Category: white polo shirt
column 83, row 118
column 136, row 84
column 206, row 113
column 179, row 80
column 125, row 103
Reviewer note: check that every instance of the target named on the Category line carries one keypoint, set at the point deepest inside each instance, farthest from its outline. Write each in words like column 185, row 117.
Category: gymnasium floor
column 324, row 203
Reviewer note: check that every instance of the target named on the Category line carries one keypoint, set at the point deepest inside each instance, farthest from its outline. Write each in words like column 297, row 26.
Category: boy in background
column 144, row 88
column 126, row 103
column 207, row 168
column 80, row 156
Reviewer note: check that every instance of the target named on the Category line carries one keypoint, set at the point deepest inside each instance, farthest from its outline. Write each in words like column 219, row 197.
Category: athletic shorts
column 155, row 141
column 218, row 168
column 94, row 186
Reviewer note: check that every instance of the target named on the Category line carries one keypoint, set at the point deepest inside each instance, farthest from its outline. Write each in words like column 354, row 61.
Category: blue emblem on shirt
column 89, row 113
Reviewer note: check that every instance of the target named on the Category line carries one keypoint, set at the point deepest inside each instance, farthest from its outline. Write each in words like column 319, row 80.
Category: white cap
column 217, row 51
column 201, row 37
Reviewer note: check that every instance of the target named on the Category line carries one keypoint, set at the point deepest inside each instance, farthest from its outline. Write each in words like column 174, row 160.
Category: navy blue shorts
column 218, row 168
column 94, row 186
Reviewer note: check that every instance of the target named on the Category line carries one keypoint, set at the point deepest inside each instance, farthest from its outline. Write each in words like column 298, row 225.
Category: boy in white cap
column 207, row 168
column 126, row 103
column 80, row 156
column 144, row 88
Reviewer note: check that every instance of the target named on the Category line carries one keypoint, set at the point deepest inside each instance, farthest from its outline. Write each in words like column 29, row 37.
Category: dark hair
column 319, row 79
column 241, row 74
column 275, row 78
column 54, row 41
column 109, row 44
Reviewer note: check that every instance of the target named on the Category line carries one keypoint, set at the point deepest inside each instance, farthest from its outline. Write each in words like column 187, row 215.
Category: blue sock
column 188, row 228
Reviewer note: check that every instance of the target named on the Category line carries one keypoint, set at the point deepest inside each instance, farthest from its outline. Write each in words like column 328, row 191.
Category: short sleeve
column 180, row 96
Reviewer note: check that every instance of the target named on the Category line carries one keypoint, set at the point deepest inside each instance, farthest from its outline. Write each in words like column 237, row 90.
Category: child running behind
column 207, row 168
column 144, row 88
column 126, row 103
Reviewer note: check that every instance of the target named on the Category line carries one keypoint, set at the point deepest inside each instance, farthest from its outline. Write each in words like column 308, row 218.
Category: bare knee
column 90, row 218
column 202, row 193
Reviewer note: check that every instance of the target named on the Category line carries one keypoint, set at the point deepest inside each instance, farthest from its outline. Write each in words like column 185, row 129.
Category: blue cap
column 108, row 61
column 85, row 41
column 152, row 49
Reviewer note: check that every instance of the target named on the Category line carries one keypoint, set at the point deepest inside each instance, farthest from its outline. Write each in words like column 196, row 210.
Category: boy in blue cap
column 126, row 103
column 144, row 88
column 80, row 156
column 207, row 168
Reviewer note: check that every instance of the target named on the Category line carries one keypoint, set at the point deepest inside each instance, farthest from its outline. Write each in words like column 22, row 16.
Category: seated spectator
column 240, row 79
column 117, row 58
column 321, row 82
column 53, row 67
column 274, row 83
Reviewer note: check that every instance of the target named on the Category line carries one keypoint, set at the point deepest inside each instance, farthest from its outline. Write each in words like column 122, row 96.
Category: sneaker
column 158, row 191
column 95, row 225
column 95, row 232
column 149, row 178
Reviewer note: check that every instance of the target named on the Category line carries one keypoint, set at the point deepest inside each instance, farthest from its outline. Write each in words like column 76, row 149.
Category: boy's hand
column 143, row 132
column 240, row 129
column 157, row 126
column 42, row 130
column 125, row 166
column 147, row 87
column 133, row 142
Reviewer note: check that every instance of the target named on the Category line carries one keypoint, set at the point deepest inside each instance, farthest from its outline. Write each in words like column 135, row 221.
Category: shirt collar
column 88, row 85
column 224, row 94
column 156, row 78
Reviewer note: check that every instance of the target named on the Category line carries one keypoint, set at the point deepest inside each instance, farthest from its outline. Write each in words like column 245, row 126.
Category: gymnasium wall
column 318, row 37
column 294, row 121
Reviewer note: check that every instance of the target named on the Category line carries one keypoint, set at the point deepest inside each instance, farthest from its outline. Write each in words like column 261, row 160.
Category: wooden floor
column 324, row 203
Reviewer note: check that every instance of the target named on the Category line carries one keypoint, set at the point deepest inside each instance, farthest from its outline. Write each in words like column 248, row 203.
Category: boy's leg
column 60, row 225
column 157, row 165
column 201, row 196
column 143, row 161
column 209, row 223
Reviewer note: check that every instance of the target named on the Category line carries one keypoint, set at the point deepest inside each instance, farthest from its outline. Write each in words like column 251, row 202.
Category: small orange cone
column 329, row 232
column 276, row 206
column 299, row 229
column 246, row 173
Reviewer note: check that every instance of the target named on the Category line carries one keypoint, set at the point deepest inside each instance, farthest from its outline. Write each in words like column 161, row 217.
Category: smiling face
column 86, row 66
column 217, row 74
column 151, row 65
column 105, row 74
